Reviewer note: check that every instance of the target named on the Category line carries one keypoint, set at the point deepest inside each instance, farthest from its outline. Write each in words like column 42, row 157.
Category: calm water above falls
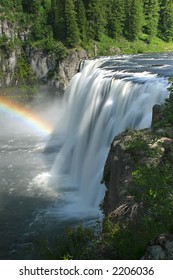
column 50, row 182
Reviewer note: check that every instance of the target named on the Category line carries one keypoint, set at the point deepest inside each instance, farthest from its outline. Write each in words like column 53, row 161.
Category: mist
column 45, row 110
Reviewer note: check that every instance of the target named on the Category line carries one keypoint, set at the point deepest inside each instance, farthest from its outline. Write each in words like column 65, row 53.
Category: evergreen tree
column 115, row 18
column 86, row 2
column 81, row 19
column 58, row 21
column 151, row 14
column 166, row 20
column 31, row 6
column 39, row 28
column 46, row 4
column 134, row 19
column 71, row 28
column 64, row 22
column 95, row 18
column 75, row 21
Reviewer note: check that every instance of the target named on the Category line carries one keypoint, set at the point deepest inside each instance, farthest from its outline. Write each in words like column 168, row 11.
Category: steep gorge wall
column 142, row 207
column 52, row 71
column 46, row 68
column 131, row 149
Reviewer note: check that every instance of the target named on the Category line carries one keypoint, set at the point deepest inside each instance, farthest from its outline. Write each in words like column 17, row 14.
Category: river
column 50, row 181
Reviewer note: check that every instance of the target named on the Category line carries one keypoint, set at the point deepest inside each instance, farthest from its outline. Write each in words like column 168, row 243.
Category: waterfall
column 100, row 103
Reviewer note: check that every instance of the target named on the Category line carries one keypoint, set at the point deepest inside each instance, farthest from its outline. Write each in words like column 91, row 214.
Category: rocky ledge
column 53, row 71
column 160, row 248
column 138, row 180
column 21, row 62
column 46, row 69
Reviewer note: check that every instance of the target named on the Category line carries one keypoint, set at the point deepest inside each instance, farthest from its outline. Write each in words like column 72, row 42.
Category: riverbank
column 110, row 47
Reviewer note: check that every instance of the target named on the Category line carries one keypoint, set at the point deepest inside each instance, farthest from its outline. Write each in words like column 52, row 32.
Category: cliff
column 21, row 63
column 138, row 177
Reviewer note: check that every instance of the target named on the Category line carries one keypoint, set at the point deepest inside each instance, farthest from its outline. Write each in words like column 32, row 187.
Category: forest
column 74, row 23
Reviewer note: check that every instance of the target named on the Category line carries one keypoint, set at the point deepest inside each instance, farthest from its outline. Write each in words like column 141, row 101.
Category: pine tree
column 31, row 6
column 115, row 18
column 46, row 4
column 166, row 20
column 151, row 14
column 64, row 22
column 58, row 21
column 95, row 18
column 71, row 28
column 81, row 19
column 86, row 2
column 134, row 19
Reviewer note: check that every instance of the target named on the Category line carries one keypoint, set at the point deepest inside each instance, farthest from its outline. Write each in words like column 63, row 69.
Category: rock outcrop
column 160, row 248
column 47, row 68
column 117, row 173
column 52, row 71
column 117, row 177
column 126, row 203
column 8, row 29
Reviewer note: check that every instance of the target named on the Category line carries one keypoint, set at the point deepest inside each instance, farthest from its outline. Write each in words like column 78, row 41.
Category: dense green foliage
column 75, row 22
column 151, row 14
column 166, row 20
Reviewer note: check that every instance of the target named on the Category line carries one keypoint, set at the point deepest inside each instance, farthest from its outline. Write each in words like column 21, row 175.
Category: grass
column 107, row 46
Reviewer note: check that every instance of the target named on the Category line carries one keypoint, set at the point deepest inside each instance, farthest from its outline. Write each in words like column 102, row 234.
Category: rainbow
column 26, row 115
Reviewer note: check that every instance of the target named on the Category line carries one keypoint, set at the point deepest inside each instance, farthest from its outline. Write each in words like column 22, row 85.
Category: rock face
column 160, row 248
column 56, row 73
column 129, row 152
column 47, row 67
column 117, row 173
column 69, row 67
column 120, row 164
column 7, row 68
column 8, row 29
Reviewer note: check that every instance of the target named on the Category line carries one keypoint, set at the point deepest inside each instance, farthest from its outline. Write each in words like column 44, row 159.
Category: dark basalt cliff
column 138, row 179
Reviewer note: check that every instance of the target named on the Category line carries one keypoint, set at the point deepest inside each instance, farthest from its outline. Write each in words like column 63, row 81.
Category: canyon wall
column 46, row 68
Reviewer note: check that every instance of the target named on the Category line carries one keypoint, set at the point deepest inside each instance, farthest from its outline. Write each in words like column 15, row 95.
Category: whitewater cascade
column 98, row 104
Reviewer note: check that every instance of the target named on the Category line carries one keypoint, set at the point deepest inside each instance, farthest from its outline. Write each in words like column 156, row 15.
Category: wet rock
column 117, row 173
column 157, row 114
column 160, row 248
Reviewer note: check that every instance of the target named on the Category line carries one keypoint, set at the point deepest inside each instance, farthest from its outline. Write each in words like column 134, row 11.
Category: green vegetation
column 106, row 46
column 78, row 243
column 24, row 71
column 151, row 14
column 128, row 26
column 166, row 114
column 101, row 27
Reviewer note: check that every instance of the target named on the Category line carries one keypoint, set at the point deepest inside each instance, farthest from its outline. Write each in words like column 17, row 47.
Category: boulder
column 160, row 248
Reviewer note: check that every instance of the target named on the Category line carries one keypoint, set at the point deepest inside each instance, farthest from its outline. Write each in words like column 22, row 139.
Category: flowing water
column 49, row 182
